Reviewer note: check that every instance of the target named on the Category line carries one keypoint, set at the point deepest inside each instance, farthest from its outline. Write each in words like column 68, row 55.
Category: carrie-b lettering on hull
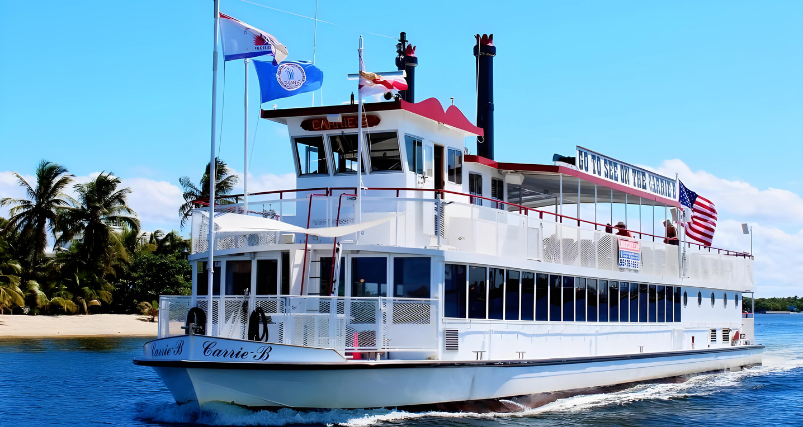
column 214, row 349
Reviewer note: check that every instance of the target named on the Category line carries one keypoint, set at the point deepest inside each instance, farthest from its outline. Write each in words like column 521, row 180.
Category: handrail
column 558, row 217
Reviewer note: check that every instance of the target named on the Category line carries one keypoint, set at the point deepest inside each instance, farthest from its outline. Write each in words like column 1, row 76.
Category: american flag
column 703, row 216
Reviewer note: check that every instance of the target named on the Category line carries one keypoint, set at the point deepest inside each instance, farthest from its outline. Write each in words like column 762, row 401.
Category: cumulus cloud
column 775, row 214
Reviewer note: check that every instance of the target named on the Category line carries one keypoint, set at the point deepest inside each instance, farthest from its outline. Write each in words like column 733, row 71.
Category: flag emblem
column 703, row 221
column 290, row 76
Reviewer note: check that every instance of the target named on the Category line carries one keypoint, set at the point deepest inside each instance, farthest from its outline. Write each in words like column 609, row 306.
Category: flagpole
column 212, row 177
column 681, row 229
column 314, row 45
column 359, row 141
column 245, row 144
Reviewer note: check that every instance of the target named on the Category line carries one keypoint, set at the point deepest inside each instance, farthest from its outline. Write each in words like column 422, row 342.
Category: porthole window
column 725, row 300
column 685, row 299
column 736, row 300
column 712, row 299
column 699, row 299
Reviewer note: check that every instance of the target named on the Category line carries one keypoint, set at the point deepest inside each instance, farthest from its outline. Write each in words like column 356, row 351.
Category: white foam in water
column 699, row 385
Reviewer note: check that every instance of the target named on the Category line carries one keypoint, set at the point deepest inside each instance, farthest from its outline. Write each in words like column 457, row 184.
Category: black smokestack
column 407, row 61
column 485, row 52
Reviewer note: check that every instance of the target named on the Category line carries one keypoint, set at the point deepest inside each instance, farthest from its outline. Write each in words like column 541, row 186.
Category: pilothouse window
column 455, row 166
column 344, row 150
column 311, row 155
column 415, row 154
column 384, row 150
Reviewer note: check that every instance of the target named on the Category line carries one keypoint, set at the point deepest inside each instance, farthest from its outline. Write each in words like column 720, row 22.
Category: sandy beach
column 122, row 325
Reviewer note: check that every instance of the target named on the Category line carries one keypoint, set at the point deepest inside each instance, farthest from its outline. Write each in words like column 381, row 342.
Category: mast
column 212, row 177
column 359, row 141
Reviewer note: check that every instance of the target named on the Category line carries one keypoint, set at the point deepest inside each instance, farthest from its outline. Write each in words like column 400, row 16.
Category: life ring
column 197, row 317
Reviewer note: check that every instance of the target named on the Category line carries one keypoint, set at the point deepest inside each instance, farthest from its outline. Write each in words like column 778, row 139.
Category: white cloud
column 777, row 219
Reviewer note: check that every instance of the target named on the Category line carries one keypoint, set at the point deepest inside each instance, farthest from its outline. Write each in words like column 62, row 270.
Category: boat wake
column 524, row 406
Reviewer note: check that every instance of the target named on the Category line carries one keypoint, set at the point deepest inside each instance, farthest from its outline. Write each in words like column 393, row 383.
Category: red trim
column 527, row 167
column 430, row 108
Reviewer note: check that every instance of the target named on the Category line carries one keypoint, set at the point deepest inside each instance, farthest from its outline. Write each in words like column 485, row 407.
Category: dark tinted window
column 415, row 154
column 411, row 277
column 670, row 303
column 634, row 302
column 476, row 293
column 527, row 296
column 613, row 301
column 568, row 299
column 653, row 305
column 580, row 299
column 496, row 293
column 475, row 187
column 455, row 291
column 384, row 150
column 643, row 298
column 344, row 149
column 555, row 292
column 624, row 307
column 602, row 290
column 311, row 155
column 326, row 276
column 497, row 189
column 202, row 281
column 455, row 166
column 660, row 303
column 238, row 277
column 286, row 273
column 541, row 296
column 268, row 277
column 369, row 276
column 512, row 286
column 591, row 299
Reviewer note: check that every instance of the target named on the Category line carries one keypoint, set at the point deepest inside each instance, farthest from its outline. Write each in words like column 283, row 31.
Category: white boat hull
column 277, row 383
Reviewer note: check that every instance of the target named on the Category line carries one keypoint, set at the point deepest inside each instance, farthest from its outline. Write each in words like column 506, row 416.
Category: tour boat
column 446, row 275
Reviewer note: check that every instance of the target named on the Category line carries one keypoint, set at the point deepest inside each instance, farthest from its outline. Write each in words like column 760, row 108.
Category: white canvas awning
column 232, row 223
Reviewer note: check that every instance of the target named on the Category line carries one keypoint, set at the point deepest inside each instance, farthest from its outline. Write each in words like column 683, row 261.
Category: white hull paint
column 275, row 384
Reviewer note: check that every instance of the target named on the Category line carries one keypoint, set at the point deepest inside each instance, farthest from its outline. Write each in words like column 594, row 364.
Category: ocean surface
column 91, row 381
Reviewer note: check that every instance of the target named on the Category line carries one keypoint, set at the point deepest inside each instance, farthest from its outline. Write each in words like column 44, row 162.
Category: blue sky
column 125, row 86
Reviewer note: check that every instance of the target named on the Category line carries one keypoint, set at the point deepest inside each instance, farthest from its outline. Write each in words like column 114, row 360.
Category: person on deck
column 671, row 233
column 622, row 229
column 608, row 228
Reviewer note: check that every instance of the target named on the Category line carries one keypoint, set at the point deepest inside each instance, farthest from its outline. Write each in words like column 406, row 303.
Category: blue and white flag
column 241, row 40
column 287, row 79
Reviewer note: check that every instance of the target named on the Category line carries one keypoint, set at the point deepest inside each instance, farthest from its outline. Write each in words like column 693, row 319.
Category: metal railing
column 343, row 323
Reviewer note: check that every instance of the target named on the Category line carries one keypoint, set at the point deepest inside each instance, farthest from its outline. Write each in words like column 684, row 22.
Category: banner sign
column 612, row 170
column 629, row 253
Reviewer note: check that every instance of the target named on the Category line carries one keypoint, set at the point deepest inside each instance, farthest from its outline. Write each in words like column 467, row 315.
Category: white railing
column 454, row 225
column 345, row 324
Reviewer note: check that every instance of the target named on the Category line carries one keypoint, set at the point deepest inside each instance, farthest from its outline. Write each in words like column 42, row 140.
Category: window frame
column 297, row 155
column 367, row 152
column 451, row 163
column 333, row 167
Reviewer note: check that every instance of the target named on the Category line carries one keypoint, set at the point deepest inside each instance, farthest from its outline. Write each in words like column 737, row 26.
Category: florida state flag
column 241, row 40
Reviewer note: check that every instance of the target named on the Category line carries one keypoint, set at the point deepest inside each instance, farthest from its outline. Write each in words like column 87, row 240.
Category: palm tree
column 10, row 292
column 170, row 243
column 101, row 205
column 33, row 217
column 224, row 184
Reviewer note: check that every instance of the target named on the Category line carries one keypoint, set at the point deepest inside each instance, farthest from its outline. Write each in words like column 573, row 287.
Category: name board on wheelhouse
column 346, row 122
column 613, row 170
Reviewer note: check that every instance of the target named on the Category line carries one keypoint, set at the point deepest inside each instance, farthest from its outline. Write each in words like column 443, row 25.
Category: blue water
column 92, row 381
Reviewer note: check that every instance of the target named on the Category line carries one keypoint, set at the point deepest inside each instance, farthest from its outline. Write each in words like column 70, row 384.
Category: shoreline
column 77, row 326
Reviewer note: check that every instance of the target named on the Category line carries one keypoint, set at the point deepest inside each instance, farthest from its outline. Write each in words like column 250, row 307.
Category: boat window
column 568, row 299
column 713, row 300
column 326, row 278
column 736, row 300
column 591, row 297
column 685, row 299
column 602, row 290
column 477, row 308
column 496, row 293
column 429, row 160
column 713, row 335
column 238, row 277
column 624, row 308
column 202, row 279
column 411, row 278
column 613, row 301
column 384, row 150
column 415, row 154
column 676, row 317
column 643, row 302
column 512, row 291
column 541, row 297
column 528, row 296
column 311, row 155
column 555, row 286
column 670, row 303
column 660, row 302
column 633, row 302
column 267, row 277
column 580, row 299
column 699, row 298
column 369, row 276
column 497, row 189
column 653, row 303
column 286, row 273
column 455, row 166
column 455, row 291
column 344, row 150
column 725, row 300
column 475, row 187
